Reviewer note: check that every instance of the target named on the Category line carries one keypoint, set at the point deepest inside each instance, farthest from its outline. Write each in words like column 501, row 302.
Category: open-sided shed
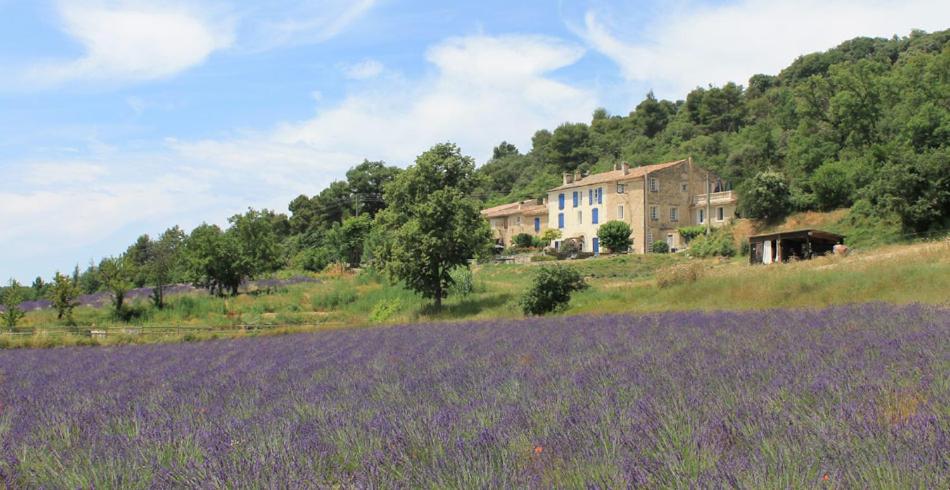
column 798, row 244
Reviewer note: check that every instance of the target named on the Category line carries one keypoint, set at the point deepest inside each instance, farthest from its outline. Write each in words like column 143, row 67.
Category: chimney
column 568, row 178
column 626, row 168
column 577, row 175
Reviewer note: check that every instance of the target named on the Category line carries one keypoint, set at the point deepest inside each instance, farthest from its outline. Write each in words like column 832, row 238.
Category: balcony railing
column 723, row 197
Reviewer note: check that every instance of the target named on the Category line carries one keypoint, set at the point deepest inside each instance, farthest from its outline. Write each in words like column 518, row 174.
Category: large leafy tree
column 432, row 223
column 258, row 238
column 366, row 182
column 215, row 260
column 766, row 196
column 347, row 239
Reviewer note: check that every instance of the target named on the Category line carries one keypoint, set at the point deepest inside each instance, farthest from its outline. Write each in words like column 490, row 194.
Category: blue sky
column 122, row 117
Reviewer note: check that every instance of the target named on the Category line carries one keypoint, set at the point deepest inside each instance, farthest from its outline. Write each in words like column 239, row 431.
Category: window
column 702, row 216
column 621, row 188
column 560, row 201
column 560, row 220
column 600, row 195
column 654, row 184
column 590, row 197
column 575, row 199
column 674, row 214
column 719, row 214
column 518, row 220
column 653, row 213
column 620, row 211
column 580, row 217
column 685, row 187
column 594, row 218
column 649, row 240
column 537, row 225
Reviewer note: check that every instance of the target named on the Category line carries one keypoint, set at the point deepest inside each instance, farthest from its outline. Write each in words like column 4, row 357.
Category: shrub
column 463, row 282
column 679, row 274
column 690, row 232
column 551, row 290
column 523, row 240
column 765, row 196
column 718, row 244
column 543, row 258
column 385, row 309
column 659, row 247
column 615, row 235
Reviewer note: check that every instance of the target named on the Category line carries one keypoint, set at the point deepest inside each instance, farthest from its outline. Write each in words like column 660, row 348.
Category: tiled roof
column 515, row 208
column 615, row 175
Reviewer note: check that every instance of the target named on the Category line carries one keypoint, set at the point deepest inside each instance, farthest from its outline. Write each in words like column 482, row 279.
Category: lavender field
column 854, row 396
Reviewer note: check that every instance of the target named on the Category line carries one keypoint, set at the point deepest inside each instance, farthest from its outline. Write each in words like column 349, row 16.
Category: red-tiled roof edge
column 614, row 175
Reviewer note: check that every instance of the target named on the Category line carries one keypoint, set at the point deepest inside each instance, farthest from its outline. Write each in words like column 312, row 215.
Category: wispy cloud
column 287, row 22
column 363, row 70
column 692, row 45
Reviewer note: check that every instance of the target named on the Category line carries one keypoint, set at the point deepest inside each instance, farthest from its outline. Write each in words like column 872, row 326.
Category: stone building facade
column 508, row 220
column 655, row 200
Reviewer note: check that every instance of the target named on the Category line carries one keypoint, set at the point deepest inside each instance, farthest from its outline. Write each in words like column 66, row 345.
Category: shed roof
column 616, row 175
column 805, row 233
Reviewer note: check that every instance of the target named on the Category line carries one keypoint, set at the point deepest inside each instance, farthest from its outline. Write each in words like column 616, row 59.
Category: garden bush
column 615, row 235
column 551, row 290
column 660, row 247
column 523, row 240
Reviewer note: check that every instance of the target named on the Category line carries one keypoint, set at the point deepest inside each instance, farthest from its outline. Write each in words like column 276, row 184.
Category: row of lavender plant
column 851, row 396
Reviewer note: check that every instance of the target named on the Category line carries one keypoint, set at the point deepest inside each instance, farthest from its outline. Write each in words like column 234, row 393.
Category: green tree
column 346, row 240
column 766, row 196
column 118, row 274
column 832, row 185
column 523, row 240
column 11, row 313
column 432, row 223
column 366, row 182
column 163, row 268
column 215, row 261
column 549, row 235
column 551, row 289
column 138, row 256
column 258, row 240
column 63, row 294
column 615, row 235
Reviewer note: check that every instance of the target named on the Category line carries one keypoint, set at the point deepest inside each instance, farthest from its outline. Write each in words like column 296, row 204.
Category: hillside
column 621, row 284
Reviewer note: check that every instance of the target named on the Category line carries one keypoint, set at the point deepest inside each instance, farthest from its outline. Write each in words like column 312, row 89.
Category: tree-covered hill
column 866, row 124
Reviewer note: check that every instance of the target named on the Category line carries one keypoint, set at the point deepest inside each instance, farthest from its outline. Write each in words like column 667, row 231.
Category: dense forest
column 865, row 125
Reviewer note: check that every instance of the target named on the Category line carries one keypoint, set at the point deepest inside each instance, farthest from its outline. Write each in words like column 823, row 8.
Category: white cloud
column 363, row 70
column 129, row 41
column 692, row 45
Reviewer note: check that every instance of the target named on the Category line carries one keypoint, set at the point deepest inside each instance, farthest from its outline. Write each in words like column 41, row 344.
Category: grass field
column 901, row 274
column 843, row 397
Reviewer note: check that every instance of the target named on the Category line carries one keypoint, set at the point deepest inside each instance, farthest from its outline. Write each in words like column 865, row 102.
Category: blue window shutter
column 560, row 201
column 600, row 195
column 560, row 220
column 575, row 199
column 594, row 216
column 537, row 224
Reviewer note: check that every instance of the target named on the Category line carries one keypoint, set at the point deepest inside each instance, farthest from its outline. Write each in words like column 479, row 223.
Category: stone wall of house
column 675, row 192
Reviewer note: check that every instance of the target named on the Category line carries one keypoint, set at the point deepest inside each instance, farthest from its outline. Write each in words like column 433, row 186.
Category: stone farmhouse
column 655, row 200
column 511, row 219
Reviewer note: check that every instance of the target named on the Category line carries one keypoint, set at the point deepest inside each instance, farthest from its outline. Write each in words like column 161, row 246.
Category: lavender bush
column 852, row 396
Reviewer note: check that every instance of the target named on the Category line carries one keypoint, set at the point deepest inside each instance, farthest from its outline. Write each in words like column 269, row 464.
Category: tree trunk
column 438, row 289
